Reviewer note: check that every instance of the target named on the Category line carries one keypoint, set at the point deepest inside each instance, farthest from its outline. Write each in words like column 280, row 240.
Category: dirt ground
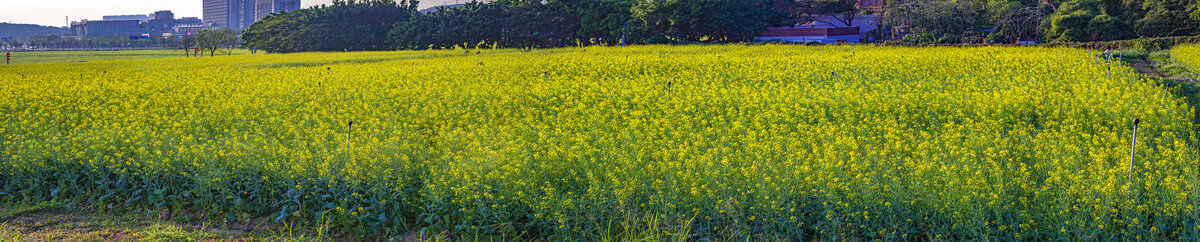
column 41, row 223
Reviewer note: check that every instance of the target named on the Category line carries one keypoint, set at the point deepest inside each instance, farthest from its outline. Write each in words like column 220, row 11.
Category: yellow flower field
column 1188, row 55
column 698, row 142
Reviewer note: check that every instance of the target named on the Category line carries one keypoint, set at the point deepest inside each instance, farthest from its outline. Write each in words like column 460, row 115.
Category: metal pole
column 1132, row 153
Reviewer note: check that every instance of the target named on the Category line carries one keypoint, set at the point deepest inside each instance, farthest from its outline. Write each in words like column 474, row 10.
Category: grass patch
column 1130, row 54
column 1170, row 66
column 40, row 57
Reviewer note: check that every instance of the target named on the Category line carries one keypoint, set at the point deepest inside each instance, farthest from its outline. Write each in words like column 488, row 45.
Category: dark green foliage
column 344, row 26
column 1061, row 21
column 1168, row 18
column 1104, row 20
column 600, row 21
column 502, row 24
column 1105, row 27
column 705, row 20
column 533, row 24
column 1070, row 27
column 943, row 22
column 470, row 26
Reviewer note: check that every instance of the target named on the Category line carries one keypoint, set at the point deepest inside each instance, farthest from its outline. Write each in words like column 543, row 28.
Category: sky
column 55, row 12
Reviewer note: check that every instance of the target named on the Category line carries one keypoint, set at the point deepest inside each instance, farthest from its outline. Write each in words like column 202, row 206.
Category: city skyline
column 55, row 12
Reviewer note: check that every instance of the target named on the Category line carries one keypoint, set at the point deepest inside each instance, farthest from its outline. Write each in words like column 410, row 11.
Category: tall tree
column 1022, row 24
column 471, row 25
column 186, row 42
column 1089, row 20
column 600, row 21
column 1168, row 18
column 843, row 11
column 213, row 40
column 935, row 21
column 343, row 26
column 705, row 20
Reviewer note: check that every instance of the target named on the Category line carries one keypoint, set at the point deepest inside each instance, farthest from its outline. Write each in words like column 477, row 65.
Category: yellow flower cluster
column 1189, row 55
column 763, row 141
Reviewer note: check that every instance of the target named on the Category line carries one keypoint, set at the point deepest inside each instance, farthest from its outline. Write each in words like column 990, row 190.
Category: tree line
column 1010, row 21
column 388, row 25
column 208, row 41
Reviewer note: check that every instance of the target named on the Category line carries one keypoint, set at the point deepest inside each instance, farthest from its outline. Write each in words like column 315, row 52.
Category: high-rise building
column 216, row 13
column 231, row 14
column 267, row 7
column 237, row 15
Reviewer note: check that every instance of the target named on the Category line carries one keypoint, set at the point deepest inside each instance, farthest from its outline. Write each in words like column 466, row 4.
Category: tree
column 600, row 21
column 506, row 24
column 278, row 33
column 843, row 11
column 705, row 20
column 344, row 26
column 471, row 25
column 1090, row 20
column 1195, row 11
column 1168, row 18
column 943, row 22
column 229, row 41
column 212, row 40
column 1019, row 25
column 186, row 42
column 1105, row 27
column 1101, row 20
column 794, row 12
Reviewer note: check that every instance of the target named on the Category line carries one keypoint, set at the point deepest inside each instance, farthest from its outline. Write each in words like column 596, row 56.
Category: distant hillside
column 20, row 31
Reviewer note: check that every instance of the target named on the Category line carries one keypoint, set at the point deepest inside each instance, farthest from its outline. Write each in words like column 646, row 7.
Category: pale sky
column 55, row 12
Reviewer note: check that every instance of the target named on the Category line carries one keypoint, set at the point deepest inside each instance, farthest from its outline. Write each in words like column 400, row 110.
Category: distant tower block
column 263, row 8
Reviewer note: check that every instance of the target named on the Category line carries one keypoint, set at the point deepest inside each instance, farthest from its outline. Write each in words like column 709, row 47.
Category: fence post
column 1132, row 154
